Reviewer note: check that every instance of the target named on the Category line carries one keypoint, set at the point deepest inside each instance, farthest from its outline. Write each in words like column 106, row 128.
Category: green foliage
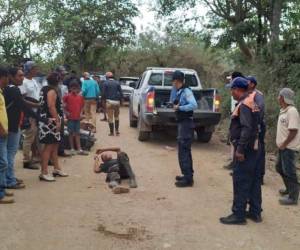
column 83, row 28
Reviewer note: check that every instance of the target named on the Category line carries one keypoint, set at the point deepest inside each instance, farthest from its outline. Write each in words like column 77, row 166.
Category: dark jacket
column 112, row 90
column 15, row 105
column 244, row 128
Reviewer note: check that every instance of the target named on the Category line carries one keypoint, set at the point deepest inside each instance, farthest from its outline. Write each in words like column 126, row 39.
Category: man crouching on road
column 116, row 169
column 184, row 106
column 246, row 173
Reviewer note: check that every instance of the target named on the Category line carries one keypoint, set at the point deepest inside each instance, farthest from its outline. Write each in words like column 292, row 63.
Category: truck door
column 137, row 95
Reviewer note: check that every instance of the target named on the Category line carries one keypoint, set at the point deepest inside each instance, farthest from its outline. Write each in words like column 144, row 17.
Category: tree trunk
column 276, row 13
column 244, row 47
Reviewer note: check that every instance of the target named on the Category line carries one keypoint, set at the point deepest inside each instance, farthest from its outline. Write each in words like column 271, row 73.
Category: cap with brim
column 239, row 83
column 178, row 75
column 288, row 96
column 252, row 79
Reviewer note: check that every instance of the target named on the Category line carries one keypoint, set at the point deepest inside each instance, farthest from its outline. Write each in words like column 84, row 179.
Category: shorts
column 73, row 126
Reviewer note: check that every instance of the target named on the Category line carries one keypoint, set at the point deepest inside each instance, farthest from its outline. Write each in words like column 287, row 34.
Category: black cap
column 178, row 75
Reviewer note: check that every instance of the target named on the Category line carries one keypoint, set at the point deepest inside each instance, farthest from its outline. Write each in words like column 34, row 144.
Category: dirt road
column 81, row 213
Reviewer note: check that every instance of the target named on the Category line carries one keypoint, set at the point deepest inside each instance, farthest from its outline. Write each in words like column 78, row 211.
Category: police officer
column 260, row 101
column 246, row 173
column 184, row 105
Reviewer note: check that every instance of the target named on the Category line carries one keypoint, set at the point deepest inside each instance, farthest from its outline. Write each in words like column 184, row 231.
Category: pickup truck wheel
column 203, row 136
column 143, row 135
column 132, row 121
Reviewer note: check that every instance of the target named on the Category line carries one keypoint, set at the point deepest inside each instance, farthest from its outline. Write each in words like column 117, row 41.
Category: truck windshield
column 157, row 79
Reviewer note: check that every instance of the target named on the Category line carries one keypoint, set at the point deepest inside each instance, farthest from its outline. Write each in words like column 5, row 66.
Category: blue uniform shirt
column 187, row 100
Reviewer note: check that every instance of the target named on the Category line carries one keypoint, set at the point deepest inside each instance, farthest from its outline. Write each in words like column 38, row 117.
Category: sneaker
column 120, row 190
column 47, row 178
column 81, row 152
column 287, row 201
column 7, row 200
column 9, row 193
column 72, row 152
column 17, row 186
column 59, row 173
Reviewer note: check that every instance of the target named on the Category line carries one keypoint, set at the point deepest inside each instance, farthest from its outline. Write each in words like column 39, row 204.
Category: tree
column 82, row 28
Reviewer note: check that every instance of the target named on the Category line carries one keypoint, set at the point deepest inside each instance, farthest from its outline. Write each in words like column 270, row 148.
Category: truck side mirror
column 132, row 85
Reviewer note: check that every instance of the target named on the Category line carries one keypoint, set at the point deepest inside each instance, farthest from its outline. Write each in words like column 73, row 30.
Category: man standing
column 260, row 101
column 246, row 173
column 4, row 199
column 90, row 93
column 30, row 89
column 184, row 106
column 113, row 96
column 288, row 142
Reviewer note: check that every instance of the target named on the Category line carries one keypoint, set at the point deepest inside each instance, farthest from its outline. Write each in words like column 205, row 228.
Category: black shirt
column 15, row 104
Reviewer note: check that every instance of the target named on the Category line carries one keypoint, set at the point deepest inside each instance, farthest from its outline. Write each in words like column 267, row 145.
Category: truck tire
column 132, row 120
column 143, row 135
column 203, row 136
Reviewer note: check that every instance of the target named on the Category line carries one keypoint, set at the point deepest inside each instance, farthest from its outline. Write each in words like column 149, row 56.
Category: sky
column 148, row 19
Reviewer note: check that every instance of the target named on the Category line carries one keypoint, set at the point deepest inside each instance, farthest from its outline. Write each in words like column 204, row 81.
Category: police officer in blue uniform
column 184, row 106
column 246, row 173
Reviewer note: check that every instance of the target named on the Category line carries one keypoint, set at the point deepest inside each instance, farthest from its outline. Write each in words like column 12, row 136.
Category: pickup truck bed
column 166, row 117
column 150, row 105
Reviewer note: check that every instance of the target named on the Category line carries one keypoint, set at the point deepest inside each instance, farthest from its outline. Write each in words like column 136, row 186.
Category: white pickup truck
column 150, row 103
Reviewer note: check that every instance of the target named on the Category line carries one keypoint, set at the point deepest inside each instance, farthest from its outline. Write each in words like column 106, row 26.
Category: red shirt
column 73, row 105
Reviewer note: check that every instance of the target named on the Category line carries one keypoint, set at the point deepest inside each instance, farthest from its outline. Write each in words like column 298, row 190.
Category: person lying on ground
column 116, row 169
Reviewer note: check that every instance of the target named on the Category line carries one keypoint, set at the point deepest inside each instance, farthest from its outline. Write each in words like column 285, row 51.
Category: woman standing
column 49, row 134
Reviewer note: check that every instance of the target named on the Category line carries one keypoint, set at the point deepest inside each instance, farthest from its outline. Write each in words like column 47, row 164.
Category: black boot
column 233, row 220
column 111, row 128
column 117, row 124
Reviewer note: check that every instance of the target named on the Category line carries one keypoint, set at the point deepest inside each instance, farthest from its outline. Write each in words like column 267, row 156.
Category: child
column 73, row 108
column 116, row 169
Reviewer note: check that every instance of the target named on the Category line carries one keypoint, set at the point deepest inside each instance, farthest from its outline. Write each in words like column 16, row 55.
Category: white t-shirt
column 233, row 104
column 288, row 120
column 30, row 88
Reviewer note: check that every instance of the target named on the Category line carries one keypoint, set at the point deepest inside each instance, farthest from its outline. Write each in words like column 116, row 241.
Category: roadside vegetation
column 256, row 37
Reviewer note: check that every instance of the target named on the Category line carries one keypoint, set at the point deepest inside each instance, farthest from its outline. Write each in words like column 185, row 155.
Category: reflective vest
column 249, row 102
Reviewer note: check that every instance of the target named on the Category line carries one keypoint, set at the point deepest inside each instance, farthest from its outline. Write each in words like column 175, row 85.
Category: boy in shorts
column 73, row 104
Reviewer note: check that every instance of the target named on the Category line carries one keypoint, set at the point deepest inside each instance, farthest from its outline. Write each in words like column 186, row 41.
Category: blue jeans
column 3, row 165
column 13, row 140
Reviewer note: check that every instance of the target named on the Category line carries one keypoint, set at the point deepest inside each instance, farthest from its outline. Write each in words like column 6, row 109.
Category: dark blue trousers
column 185, row 139
column 247, row 185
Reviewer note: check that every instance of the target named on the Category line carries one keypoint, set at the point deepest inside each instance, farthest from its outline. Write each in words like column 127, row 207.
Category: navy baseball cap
column 239, row 83
column 252, row 79
column 178, row 75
